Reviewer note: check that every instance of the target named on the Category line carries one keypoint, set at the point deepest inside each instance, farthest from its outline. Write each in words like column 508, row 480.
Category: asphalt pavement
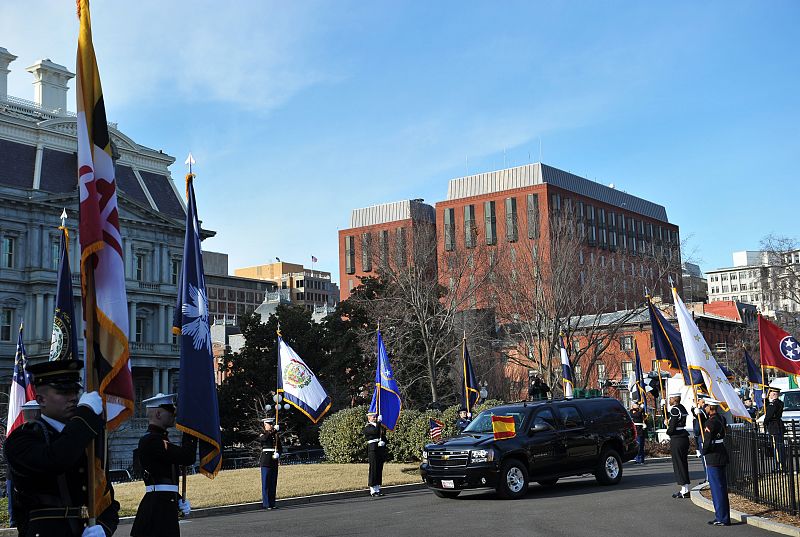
column 641, row 505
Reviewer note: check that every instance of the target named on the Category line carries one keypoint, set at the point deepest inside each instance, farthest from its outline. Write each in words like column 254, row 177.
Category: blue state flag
column 198, row 410
column 669, row 347
column 640, row 378
column 386, row 398
column 471, row 394
column 64, row 342
column 755, row 379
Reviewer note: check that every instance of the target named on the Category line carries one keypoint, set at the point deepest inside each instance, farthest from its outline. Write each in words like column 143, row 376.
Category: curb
column 285, row 502
column 752, row 520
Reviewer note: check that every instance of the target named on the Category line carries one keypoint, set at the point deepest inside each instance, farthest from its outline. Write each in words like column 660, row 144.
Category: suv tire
column 447, row 493
column 513, row 480
column 609, row 468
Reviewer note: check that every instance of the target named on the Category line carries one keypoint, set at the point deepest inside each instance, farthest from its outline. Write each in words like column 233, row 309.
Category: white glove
column 96, row 530
column 185, row 507
column 277, row 427
column 93, row 401
column 380, row 418
column 276, row 455
column 644, row 426
column 663, row 402
column 381, row 443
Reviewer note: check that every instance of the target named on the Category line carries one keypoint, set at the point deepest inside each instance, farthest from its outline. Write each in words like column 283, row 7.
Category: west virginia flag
column 102, row 268
column 298, row 384
column 198, row 410
column 504, row 427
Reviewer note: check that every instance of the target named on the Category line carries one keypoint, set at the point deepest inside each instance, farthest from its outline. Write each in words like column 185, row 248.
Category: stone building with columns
column 38, row 148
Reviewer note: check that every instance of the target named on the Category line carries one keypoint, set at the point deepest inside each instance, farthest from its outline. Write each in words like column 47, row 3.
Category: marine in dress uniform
column 679, row 444
column 375, row 433
column 47, row 458
column 716, row 457
column 463, row 419
column 638, row 421
column 270, row 457
column 773, row 423
column 157, row 515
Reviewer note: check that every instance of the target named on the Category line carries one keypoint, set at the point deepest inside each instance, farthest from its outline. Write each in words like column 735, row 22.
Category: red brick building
column 380, row 234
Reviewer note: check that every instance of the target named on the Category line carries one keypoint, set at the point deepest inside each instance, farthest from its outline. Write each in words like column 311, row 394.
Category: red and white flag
column 779, row 350
column 102, row 266
column 21, row 387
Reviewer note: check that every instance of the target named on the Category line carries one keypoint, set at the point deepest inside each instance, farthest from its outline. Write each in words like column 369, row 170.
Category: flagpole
column 464, row 367
column 91, row 385
column 658, row 364
column 278, row 396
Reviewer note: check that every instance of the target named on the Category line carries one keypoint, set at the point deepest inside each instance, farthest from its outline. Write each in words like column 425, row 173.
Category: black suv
column 553, row 439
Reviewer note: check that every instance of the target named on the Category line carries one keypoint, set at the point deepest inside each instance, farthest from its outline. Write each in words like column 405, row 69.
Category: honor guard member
column 159, row 459
column 47, row 458
column 750, row 407
column 773, row 423
column 716, row 457
column 270, row 457
column 376, row 448
column 679, row 444
column 638, row 421
column 463, row 419
column 700, row 417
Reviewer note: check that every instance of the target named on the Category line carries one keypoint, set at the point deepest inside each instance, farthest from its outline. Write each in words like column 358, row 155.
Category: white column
column 132, row 322
column 49, row 310
column 37, row 326
column 170, row 317
column 162, row 324
column 156, row 381
column 165, row 380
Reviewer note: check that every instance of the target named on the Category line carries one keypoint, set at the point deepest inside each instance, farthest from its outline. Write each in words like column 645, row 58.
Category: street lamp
column 483, row 391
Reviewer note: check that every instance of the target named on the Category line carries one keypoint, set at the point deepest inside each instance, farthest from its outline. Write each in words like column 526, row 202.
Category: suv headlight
column 481, row 455
column 424, row 456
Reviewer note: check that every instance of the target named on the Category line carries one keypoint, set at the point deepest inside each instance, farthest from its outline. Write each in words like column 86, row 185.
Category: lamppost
column 483, row 391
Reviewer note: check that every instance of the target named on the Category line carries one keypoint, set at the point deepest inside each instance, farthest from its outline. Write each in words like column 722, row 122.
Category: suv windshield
column 483, row 422
column 791, row 401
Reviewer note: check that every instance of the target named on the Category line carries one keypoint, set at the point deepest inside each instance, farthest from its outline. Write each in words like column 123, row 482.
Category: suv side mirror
column 541, row 426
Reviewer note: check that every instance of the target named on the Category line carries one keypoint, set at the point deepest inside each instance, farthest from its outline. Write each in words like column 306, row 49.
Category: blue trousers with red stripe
column 718, row 482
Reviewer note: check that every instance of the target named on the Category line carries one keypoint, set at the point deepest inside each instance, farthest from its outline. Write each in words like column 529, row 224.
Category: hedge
column 342, row 439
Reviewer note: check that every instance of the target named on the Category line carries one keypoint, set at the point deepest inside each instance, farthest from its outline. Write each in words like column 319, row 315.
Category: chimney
column 50, row 85
column 5, row 58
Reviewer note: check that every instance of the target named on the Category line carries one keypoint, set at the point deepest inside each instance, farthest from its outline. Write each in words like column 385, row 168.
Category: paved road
column 639, row 505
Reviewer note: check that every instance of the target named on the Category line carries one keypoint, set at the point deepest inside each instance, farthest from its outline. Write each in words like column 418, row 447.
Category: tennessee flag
column 503, row 427
column 779, row 350
column 102, row 268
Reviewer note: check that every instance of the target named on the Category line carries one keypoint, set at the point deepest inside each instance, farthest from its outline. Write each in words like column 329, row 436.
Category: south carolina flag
column 299, row 386
column 503, row 427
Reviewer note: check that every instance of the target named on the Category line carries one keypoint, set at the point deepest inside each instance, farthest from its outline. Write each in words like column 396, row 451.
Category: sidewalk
column 757, row 521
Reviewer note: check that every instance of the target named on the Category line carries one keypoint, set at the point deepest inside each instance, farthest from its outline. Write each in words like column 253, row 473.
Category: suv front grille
column 448, row 459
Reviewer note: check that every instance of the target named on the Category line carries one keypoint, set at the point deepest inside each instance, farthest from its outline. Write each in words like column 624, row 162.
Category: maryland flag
column 102, row 268
column 105, row 307
column 503, row 427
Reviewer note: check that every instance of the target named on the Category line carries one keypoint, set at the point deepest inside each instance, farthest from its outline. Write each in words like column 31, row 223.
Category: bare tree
column 781, row 278
column 567, row 282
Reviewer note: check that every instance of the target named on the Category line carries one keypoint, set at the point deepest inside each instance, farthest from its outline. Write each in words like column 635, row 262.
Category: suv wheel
column 609, row 468
column 513, row 480
column 447, row 493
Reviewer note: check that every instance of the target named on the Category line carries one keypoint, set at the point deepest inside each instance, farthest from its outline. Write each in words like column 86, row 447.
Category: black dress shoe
column 718, row 523
column 381, row 494
column 375, row 494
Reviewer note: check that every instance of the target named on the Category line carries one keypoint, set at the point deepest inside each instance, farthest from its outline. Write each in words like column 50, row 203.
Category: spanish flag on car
column 503, row 427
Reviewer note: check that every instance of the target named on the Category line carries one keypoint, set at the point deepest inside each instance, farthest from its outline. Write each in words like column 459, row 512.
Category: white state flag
column 299, row 386
column 698, row 356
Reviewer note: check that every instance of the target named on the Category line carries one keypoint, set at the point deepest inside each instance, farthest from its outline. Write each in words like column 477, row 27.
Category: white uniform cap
column 711, row 402
column 268, row 420
column 676, row 394
column 159, row 400
column 31, row 405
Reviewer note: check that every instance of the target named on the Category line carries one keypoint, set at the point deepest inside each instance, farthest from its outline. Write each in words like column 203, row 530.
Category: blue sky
column 298, row 112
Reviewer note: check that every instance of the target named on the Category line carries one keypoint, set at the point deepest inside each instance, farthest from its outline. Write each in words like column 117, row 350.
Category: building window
column 55, row 250
column 449, row 229
column 490, row 221
column 175, row 271
column 139, row 267
column 9, row 249
column 469, row 226
column 349, row 255
column 626, row 343
column 384, row 248
column 6, row 321
column 533, row 216
column 366, row 252
column 555, row 203
column 627, row 370
column 576, row 369
column 139, row 329
column 511, row 219
column 601, row 372
column 401, row 247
